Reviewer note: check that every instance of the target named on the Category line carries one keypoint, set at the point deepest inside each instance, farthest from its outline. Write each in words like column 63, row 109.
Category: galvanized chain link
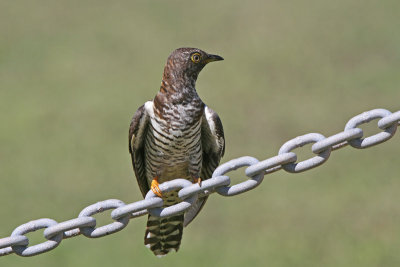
column 219, row 182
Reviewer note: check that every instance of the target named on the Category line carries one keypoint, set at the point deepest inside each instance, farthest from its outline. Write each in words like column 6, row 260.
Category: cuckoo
column 175, row 136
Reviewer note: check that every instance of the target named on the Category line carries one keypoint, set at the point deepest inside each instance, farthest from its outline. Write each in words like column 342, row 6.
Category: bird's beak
column 211, row 58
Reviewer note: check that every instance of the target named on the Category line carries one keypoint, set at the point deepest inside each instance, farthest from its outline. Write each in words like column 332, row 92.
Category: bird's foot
column 197, row 180
column 155, row 187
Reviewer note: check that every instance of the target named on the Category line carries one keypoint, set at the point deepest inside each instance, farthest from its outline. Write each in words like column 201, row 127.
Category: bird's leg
column 197, row 180
column 155, row 187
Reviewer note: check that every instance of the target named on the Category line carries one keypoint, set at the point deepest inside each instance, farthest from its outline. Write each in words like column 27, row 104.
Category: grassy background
column 72, row 73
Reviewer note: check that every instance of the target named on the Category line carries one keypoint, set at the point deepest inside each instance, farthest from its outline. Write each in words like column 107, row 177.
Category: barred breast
column 173, row 145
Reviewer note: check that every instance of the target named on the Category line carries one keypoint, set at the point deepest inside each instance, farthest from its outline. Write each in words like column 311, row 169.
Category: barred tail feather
column 163, row 235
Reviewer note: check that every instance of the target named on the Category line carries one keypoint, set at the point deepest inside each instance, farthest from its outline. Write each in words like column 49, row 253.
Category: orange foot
column 155, row 187
column 198, row 181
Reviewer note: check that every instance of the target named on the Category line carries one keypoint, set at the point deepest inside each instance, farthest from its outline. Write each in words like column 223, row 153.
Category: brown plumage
column 175, row 136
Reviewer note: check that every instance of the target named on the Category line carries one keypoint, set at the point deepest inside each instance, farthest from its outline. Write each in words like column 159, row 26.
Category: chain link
column 189, row 193
column 366, row 117
column 51, row 243
column 308, row 163
column 243, row 186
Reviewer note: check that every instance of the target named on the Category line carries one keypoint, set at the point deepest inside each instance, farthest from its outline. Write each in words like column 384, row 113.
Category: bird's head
column 186, row 63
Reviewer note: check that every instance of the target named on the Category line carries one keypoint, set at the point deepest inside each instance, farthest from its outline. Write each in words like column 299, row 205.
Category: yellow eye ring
column 196, row 57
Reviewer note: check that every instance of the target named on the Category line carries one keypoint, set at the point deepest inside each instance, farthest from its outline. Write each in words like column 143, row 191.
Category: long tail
column 163, row 235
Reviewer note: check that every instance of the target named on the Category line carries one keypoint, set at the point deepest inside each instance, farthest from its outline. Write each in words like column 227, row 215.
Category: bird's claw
column 155, row 187
column 197, row 180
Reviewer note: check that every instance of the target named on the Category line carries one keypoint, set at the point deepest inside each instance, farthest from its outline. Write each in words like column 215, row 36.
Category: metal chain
column 219, row 182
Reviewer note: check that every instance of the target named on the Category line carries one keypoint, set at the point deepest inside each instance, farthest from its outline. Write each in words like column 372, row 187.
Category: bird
column 175, row 135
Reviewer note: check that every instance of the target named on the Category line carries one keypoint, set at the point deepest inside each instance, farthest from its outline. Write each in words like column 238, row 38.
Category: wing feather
column 137, row 136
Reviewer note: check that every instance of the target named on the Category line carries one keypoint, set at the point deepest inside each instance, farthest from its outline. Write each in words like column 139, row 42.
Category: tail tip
column 163, row 253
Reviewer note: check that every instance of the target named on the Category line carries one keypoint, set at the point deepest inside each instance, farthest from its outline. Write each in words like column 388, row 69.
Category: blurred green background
column 72, row 73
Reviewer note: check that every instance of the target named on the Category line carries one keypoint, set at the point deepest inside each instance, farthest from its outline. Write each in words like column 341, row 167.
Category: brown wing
column 213, row 146
column 137, row 136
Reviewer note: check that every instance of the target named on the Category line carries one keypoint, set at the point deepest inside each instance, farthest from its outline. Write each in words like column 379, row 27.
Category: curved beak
column 211, row 58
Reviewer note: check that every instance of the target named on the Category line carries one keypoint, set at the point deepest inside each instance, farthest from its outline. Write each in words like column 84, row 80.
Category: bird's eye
column 196, row 57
